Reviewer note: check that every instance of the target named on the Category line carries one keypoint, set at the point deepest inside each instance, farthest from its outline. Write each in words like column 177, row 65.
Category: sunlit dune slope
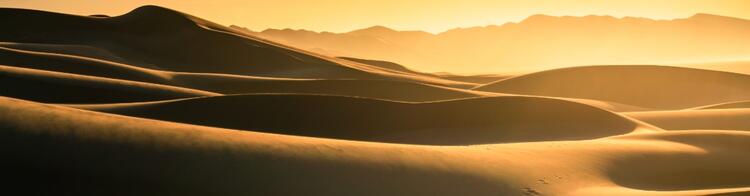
column 742, row 67
column 464, row 121
column 43, row 145
column 727, row 119
column 658, row 87
column 729, row 105
column 176, row 41
column 159, row 102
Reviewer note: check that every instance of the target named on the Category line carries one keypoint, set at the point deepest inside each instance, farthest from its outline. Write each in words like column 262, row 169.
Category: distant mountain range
column 536, row 43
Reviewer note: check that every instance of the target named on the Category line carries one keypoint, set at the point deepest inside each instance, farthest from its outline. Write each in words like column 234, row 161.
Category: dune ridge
column 453, row 122
column 250, row 162
column 57, row 87
column 160, row 102
column 710, row 118
column 142, row 35
column 232, row 84
column 658, row 87
column 729, row 105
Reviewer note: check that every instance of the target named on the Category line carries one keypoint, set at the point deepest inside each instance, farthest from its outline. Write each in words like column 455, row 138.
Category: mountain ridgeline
column 537, row 43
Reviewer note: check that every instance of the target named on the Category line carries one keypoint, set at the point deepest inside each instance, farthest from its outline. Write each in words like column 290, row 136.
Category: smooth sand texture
column 57, row 87
column 232, row 84
column 727, row 119
column 158, row 102
column 658, row 87
column 131, row 156
column 158, row 36
column 736, row 104
column 456, row 122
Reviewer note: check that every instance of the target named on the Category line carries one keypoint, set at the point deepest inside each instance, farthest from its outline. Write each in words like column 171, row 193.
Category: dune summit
column 159, row 102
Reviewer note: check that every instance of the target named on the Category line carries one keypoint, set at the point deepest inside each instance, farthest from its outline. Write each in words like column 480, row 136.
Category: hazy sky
column 428, row 15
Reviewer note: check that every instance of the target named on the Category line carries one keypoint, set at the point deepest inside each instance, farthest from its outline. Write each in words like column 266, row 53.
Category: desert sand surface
column 736, row 104
column 658, row 87
column 160, row 102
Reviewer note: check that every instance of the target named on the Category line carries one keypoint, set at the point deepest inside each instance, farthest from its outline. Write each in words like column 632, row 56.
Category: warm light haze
column 488, row 42
column 392, row 98
column 428, row 15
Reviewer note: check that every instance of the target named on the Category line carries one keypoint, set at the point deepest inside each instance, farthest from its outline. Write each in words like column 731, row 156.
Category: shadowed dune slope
column 658, row 87
column 233, row 84
column 386, row 65
column 131, row 156
column 477, row 79
column 128, row 156
column 176, row 41
column 239, row 84
column 726, row 119
column 68, row 49
column 377, row 89
column 79, row 65
column 57, row 87
column 456, row 122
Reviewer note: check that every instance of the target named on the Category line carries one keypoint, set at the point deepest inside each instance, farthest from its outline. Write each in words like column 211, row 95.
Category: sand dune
column 239, row 84
column 57, row 87
column 86, row 104
column 74, row 50
column 232, row 84
column 378, row 89
column 457, row 122
column 79, row 65
column 726, row 119
column 386, row 65
column 658, row 87
column 164, row 37
column 742, row 67
column 736, row 104
column 479, row 79
column 170, row 158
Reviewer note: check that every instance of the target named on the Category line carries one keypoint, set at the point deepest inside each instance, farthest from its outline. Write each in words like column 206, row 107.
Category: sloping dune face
column 166, row 39
column 158, row 102
column 456, row 122
column 647, row 86
column 727, row 119
column 45, row 144
column 56, row 87
column 736, row 104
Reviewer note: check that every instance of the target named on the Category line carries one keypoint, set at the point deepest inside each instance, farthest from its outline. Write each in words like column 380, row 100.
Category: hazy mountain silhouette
column 160, row 102
column 538, row 42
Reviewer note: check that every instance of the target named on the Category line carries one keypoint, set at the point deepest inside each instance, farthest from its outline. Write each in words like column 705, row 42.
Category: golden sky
column 429, row 15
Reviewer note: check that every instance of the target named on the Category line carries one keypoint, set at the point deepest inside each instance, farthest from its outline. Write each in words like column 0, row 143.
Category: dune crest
column 658, row 87
column 251, row 162
column 160, row 102
column 455, row 122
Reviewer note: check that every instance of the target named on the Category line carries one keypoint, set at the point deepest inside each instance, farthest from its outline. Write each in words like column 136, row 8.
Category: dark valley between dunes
column 160, row 102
